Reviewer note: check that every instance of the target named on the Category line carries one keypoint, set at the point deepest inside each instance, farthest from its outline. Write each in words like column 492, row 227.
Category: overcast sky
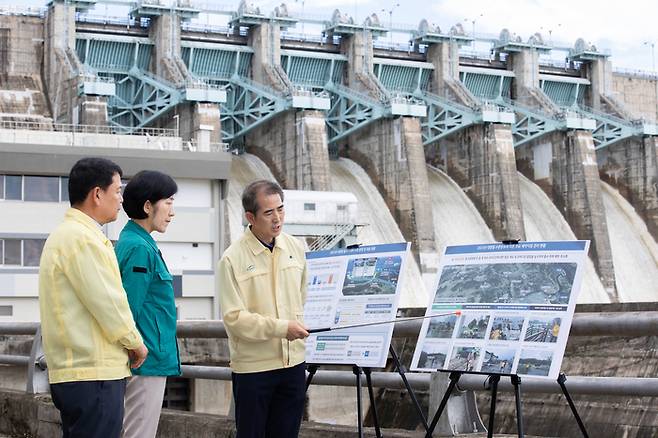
column 620, row 26
column 626, row 28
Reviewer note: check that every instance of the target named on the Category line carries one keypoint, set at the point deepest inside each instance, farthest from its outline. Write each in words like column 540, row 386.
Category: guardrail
column 616, row 324
column 85, row 129
column 194, row 146
column 637, row 73
column 463, row 407
column 35, row 11
column 613, row 324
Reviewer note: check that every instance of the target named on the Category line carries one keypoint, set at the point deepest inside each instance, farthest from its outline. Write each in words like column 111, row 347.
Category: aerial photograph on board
column 372, row 276
column 527, row 283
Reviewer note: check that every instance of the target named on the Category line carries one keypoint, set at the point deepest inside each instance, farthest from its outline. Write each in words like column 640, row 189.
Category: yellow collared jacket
column 259, row 292
column 86, row 322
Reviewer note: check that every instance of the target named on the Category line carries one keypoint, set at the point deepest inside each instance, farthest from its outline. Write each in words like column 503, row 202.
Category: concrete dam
column 457, row 221
column 298, row 103
column 436, row 144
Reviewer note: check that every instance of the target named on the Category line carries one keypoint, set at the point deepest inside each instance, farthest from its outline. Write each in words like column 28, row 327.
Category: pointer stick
column 366, row 324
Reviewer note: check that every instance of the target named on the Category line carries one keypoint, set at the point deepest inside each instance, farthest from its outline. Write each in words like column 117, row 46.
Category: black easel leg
column 410, row 391
column 516, row 382
column 454, row 379
column 373, row 405
column 494, row 379
column 561, row 379
column 357, row 371
column 312, row 369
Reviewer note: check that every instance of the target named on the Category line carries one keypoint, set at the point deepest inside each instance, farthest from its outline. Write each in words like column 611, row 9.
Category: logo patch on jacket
column 250, row 268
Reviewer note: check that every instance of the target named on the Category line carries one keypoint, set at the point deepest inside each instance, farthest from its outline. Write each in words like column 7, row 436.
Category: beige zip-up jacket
column 259, row 292
column 86, row 322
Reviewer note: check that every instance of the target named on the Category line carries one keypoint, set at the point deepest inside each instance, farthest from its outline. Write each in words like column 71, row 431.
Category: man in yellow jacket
column 262, row 289
column 89, row 336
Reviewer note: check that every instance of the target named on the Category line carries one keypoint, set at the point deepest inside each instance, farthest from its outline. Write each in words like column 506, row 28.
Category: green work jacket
column 150, row 290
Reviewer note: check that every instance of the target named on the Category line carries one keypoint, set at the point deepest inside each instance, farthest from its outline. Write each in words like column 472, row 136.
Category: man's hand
column 296, row 331
column 138, row 356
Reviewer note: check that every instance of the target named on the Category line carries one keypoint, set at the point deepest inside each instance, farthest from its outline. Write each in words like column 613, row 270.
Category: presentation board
column 353, row 286
column 516, row 301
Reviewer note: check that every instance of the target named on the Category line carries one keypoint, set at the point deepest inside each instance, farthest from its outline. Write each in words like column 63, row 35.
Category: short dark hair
column 147, row 185
column 89, row 173
column 250, row 193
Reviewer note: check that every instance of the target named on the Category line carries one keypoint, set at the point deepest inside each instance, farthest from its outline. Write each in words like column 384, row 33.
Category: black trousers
column 269, row 404
column 90, row 409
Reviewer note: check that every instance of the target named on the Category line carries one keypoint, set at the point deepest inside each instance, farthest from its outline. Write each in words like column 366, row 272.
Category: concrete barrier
column 30, row 416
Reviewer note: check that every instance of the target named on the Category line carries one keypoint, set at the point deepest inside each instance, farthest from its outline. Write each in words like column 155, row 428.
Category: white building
column 34, row 197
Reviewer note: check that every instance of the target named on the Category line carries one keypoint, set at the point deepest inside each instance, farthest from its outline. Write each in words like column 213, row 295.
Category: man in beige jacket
column 262, row 289
column 89, row 335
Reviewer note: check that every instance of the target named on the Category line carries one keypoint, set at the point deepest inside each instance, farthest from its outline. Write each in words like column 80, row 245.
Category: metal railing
column 213, row 7
column 302, row 37
column 95, row 78
column 198, row 83
column 551, row 62
column 366, row 98
column 474, row 54
column 393, row 46
column 587, row 111
column 328, row 241
column 636, row 73
column 309, row 90
column 617, row 324
column 35, row 11
column 206, row 28
column 142, row 22
column 194, row 146
column 85, row 129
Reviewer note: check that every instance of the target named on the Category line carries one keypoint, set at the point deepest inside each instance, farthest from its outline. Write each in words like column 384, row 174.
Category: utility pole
column 652, row 44
column 473, row 20
column 302, row 2
column 390, row 20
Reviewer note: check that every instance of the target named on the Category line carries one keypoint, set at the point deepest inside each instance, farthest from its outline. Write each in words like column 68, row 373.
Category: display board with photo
column 353, row 286
column 516, row 303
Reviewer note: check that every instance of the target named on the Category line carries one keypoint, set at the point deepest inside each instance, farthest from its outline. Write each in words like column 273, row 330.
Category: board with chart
column 353, row 286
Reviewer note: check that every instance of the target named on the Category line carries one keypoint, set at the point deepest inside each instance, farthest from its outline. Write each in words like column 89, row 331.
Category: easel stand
column 357, row 370
column 560, row 380
column 402, row 370
column 367, row 371
column 494, row 379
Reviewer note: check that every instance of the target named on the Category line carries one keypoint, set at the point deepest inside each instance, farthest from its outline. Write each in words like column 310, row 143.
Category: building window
column 178, row 286
column 64, row 189
column 309, row 206
column 21, row 252
column 34, row 188
column 6, row 310
column 13, row 187
column 12, row 252
column 41, row 188
column 32, row 249
column 341, row 207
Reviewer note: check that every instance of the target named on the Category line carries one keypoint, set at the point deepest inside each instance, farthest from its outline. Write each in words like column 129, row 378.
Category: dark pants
column 90, row 409
column 269, row 404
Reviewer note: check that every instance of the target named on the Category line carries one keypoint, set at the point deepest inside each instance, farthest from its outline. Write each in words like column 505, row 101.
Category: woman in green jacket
column 148, row 201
